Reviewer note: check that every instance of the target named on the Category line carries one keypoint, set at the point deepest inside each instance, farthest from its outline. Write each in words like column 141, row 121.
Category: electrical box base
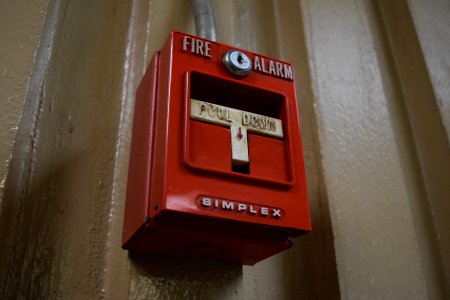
column 190, row 236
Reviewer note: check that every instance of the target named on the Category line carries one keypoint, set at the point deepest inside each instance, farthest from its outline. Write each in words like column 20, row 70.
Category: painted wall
column 372, row 86
column 21, row 25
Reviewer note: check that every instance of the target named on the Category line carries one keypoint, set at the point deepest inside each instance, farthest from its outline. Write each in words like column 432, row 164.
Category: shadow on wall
column 162, row 277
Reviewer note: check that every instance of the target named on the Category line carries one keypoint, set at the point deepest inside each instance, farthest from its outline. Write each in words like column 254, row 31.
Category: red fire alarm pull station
column 216, row 165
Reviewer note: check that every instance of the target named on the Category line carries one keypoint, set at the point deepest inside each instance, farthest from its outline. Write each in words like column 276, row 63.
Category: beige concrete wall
column 423, row 100
column 58, row 191
column 377, row 251
column 377, row 189
column 21, row 24
column 430, row 20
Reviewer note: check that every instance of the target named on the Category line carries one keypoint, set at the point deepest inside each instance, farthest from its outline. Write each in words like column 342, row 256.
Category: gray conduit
column 205, row 24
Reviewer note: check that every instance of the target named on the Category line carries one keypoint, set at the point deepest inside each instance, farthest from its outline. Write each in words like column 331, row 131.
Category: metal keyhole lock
column 237, row 62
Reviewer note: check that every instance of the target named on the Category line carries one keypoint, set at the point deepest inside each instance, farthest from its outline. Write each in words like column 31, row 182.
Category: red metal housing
column 184, row 196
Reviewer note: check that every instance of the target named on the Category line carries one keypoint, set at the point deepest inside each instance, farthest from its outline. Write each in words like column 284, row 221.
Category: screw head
column 237, row 62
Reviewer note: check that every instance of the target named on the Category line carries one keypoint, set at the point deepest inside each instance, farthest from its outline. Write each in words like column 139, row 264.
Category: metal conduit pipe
column 205, row 23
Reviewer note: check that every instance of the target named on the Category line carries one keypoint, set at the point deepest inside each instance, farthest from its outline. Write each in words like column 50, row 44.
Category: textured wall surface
column 372, row 83
column 433, row 30
column 361, row 164
column 421, row 96
column 20, row 31
column 59, row 194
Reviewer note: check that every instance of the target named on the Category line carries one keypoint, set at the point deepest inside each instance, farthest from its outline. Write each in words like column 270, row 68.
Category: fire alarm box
column 216, row 165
